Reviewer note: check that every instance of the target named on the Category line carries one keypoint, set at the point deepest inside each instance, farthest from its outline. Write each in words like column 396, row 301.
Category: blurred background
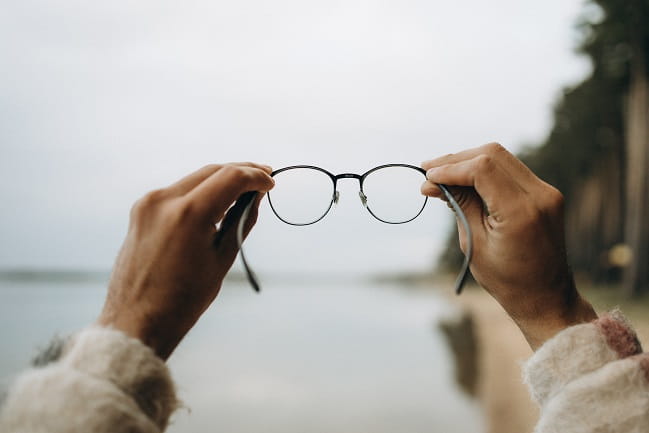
column 101, row 102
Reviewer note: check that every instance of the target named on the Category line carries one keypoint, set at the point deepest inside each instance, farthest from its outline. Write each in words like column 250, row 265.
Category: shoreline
column 501, row 349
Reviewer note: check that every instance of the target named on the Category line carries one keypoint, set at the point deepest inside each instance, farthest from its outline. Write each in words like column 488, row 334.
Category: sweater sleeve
column 103, row 381
column 591, row 378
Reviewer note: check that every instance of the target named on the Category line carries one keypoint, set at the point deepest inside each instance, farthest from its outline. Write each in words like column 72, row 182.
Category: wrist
column 541, row 327
column 143, row 329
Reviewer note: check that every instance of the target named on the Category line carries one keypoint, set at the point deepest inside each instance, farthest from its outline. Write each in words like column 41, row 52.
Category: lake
column 339, row 356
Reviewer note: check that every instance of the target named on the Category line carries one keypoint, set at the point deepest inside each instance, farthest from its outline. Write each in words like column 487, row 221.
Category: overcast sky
column 102, row 101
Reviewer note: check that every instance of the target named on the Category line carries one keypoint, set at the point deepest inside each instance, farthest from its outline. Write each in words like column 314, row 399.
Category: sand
column 501, row 349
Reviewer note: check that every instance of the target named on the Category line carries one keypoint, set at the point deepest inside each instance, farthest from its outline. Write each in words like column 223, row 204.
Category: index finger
column 214, row 196
column 189, row 182
column 497, row 188
column 496, row 152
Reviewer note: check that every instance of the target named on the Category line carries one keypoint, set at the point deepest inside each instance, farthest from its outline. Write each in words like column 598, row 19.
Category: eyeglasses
column 304, row 195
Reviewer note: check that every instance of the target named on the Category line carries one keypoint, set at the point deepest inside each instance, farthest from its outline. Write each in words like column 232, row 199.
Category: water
column 335, row 358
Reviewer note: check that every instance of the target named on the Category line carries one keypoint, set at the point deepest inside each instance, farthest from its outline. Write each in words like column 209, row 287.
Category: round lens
column 393, row 193
column 301, row 195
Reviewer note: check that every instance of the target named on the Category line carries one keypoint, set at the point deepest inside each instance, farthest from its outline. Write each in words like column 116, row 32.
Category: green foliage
column 588, row 125
column 589, row 118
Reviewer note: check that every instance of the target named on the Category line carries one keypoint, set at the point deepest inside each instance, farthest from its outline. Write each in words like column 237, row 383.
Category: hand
column 519, row 253
column 174, row 258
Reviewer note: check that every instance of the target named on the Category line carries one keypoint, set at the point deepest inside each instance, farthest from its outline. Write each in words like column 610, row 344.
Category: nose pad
column 336, row 196
column 363, row 198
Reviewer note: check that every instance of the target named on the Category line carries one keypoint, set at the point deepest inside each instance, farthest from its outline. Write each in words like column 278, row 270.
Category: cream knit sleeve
column 591, row 378
column 103, row 381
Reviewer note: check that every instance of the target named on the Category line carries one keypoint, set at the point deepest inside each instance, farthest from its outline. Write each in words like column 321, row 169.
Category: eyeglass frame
column 334, row 198
column 247, row 199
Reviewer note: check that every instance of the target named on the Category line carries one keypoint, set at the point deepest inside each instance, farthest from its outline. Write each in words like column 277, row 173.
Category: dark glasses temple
column 249, row 198
column 464, row 271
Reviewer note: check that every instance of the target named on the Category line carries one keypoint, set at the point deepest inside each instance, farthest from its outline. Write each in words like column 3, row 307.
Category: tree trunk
column 594, row 219
column 636, row 276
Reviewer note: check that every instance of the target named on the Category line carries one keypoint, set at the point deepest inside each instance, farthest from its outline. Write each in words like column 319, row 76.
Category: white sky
column 102, row 101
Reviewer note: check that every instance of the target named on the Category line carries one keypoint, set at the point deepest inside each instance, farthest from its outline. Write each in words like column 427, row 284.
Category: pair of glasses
column 304, row 195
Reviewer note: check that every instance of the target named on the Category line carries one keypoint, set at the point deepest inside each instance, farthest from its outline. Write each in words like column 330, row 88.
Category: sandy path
column 506, row 402
column 504, row 398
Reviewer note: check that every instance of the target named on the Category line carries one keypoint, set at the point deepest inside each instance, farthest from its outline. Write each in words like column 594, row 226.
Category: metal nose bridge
column 358, row 177
column 348, row 176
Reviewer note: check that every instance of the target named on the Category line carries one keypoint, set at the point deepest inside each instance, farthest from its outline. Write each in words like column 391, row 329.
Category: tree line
column 597, row 151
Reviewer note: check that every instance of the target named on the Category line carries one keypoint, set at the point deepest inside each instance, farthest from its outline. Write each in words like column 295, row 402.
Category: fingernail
column 430, row 173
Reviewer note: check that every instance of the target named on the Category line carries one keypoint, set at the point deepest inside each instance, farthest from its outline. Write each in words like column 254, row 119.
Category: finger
column 191, row 181
column 497, row 189
column 498, row 153
column 430, row 189
column 214, row 196
column 453, row 158
column 466, row 197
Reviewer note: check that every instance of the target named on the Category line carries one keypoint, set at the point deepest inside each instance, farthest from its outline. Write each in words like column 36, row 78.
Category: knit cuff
column 613, row 398
column 134, row 368
column 576, row 351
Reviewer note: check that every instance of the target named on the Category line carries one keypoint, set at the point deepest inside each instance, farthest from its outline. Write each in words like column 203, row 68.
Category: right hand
column 519, row 253
column 174, row 258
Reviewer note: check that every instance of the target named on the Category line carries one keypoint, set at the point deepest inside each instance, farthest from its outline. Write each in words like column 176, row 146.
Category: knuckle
column 234, row 172
column 553, row 199
column 211, row 167
column 153, row 198
column 483, row 163
column 534, row 215
column 437, row 162
column 493, row 148
column 447, row 157
column 148, row 201
column 183, row 210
